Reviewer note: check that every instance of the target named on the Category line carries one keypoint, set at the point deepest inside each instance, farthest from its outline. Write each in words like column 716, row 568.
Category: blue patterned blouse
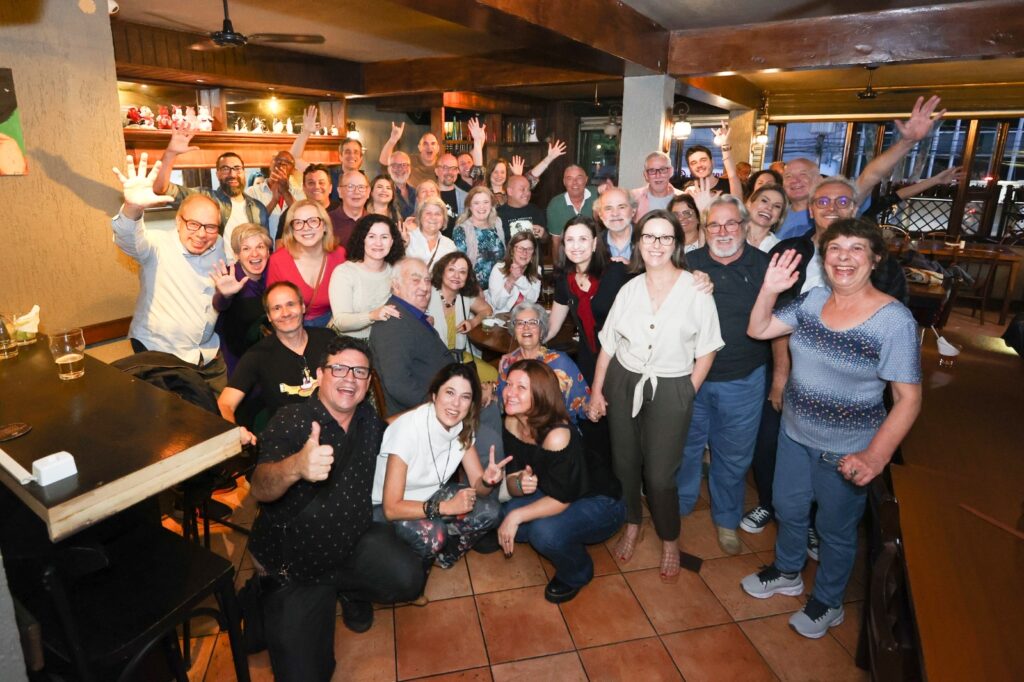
column 490, row 250
column 570, row 380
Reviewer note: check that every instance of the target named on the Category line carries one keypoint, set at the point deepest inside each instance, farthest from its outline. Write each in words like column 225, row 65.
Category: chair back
column 896, row 236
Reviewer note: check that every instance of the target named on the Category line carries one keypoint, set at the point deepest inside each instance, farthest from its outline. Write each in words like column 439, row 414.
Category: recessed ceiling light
column 200, row 80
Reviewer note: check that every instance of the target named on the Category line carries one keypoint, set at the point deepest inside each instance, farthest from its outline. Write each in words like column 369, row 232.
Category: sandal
column 626, row 545
column 669, row 562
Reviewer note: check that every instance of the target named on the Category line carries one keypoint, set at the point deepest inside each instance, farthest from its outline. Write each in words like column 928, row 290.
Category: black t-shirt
column 450, row 198
column 278, row 372
column 516, row 220
column 736, row 289
column 312, row 528
column 566, row 475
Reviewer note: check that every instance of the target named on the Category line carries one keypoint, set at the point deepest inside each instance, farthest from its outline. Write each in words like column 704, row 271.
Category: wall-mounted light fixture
column 612, row 126
column 681, row 128
column 354, row 134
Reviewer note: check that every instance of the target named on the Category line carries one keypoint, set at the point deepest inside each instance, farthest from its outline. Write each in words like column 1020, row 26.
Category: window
column 820, row 142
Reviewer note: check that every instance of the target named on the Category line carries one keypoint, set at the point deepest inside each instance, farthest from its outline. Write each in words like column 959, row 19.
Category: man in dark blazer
column 407, row 350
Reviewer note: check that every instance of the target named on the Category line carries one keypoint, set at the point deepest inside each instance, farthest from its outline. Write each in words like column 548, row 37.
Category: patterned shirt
column 570, row 380
column 833, row 400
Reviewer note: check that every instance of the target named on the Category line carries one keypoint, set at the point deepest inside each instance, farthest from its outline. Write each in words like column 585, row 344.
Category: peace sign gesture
column 493, row 472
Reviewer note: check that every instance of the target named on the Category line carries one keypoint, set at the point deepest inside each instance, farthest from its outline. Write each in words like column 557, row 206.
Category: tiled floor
column 487, row 620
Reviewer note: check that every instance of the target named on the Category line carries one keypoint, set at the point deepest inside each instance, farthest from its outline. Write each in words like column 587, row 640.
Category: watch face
column 13, row 430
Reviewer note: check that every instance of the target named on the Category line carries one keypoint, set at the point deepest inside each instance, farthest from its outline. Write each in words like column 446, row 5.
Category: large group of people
column 759, row 321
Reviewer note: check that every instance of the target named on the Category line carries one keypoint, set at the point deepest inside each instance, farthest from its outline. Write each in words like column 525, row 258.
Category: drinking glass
column 68, row 349
column 8, row 342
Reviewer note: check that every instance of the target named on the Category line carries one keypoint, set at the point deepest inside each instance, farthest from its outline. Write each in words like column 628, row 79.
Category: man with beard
column 236, row 207
column 615, row 209
column 727, row 408
column 423, row 163
column 446, row 170
column 399, row 168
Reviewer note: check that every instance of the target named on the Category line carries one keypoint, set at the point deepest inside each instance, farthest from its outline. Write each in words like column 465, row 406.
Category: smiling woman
column 360, row 288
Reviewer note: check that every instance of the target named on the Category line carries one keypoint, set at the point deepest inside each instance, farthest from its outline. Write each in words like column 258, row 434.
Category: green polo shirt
column 560, row 210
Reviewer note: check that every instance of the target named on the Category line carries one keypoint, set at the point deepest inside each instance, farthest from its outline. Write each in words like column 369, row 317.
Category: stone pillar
column 741, row 135
column 646, row 104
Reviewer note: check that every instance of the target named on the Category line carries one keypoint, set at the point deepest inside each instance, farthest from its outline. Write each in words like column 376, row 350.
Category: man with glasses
column 727, row 408
column 236, row 207
column 399, row 168
column 314, row 542
column 658, row 192
column 354, row 192
column 281, row 368
column 446, row 171
column 174, row 310
column 424, row 162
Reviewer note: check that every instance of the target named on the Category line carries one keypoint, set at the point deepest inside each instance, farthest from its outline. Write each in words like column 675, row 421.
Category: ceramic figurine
column 163, row 119
column 204, row 119
column 176, row 115
column 134, row 117
column 278, row 126
column 289, row 126
column 147, row 117
column 190, row 117
column 334, row 130
column 241, row 125
column 533, row 131
column 258, row 126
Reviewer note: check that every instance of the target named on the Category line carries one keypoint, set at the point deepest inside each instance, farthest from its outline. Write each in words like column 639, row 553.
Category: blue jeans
column 726, row 415
column 562, row 539
column 800, row 478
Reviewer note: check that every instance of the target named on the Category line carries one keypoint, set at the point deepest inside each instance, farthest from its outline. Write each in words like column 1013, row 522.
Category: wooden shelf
column 257, row 149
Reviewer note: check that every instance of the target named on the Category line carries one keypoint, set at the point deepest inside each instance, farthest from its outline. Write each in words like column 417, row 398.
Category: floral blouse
column 574, row 387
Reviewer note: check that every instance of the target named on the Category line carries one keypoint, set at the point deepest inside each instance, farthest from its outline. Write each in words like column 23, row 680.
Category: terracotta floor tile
column 717, row 654
column 259, row 668
column 854, row 589
column 848, row 633
column 605, row 611
column 474, row 675
column 604, row 564
column 228, row 543
column 557, row 668
column 763, row 541
column 700, row 537
column 202, row 651
column 416, row 634
column 644, row 659
column 368, row 656
column 647, row 553
column 521, row 624
column 492, row 572
column 723, row 576
column 445, row 583
column 686, row 604
column 203, row 626
column 793, row 657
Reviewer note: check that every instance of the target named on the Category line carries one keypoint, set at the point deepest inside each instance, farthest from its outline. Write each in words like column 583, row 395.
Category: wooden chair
column 895, row 235
column 981, row 265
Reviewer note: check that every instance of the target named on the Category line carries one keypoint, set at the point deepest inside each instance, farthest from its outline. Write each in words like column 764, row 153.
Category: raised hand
column 528, row 480
column 225, row 280
column 477, row 132
column 701, row 192
column 556, row 148
column 782, row 273
column 722, row 134
column 494, row 472
column 309, row 119
column 314, row 460
column 460, row 503
column 181, row 134
column 396, row 131
column 950, row 175
column 516, row 165
column 919, row 124
column 138, row 186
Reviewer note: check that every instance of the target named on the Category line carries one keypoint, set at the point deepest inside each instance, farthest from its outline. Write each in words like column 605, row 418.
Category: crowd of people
column 755, row 318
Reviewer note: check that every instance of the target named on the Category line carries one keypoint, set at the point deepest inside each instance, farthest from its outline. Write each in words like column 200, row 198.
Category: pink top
column 282, row 268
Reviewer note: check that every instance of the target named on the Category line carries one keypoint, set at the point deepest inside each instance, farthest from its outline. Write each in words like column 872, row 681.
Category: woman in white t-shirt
column 517, row 278
column 441, row 519
column 657, row 346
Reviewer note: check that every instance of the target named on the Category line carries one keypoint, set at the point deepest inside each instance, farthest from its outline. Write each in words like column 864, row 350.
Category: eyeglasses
column 194, row 225
column 728, row 225
column 312, row 223
column 685, row 215
column 400, row 166
column 664, row 170
column 523, row 249
column 356, row 188
column 230, row 169
column 532, row 322
column 449, row 168
column 662, row 239
column 839, row 202
column 277, row 162
column 341, row 371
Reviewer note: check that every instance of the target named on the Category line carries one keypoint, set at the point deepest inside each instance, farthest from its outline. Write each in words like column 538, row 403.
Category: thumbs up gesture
column 528, row 480
column 314, row 460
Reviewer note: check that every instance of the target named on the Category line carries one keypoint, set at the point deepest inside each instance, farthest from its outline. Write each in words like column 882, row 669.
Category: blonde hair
column 288, row 235
column 492, row 217
column 246, row 230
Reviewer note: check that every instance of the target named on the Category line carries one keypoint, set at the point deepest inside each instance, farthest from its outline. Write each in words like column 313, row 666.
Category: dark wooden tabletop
column 130, row 440
column 498, row 340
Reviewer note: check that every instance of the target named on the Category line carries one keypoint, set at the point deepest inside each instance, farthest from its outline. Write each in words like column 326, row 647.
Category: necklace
column 446, row 303
column 433, row 459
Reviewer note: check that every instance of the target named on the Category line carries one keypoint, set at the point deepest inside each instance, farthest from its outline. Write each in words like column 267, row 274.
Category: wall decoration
column 12, row 143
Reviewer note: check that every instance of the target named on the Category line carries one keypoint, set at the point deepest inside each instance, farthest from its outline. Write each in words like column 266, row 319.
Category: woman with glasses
column 479, row 234
column 684, row 208
column 308, row 258
column 414, row 486
column 383, row 198
column 517, row 278
column 657, row 346
column 361, row 286
column 529, row 325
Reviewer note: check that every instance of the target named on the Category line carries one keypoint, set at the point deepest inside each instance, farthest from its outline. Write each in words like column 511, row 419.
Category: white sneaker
column 814, row 620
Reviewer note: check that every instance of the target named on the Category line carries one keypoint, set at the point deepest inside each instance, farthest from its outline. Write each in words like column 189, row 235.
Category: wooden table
column 938, row 250
column 130, row 440
column 498, row 340
column 960, row 495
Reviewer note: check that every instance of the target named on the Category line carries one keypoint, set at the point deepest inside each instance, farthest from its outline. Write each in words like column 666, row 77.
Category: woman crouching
column 420, row 452
column 562, row 498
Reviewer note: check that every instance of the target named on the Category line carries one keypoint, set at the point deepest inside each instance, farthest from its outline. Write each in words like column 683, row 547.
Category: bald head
column 518, row 190
column 798, row 180
column 446, row 170
column 354, row 190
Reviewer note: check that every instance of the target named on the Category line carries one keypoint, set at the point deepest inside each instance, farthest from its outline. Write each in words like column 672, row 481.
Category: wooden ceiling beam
column 598, row 35
column 148, row 52
column 967, row 30
column 724, row 92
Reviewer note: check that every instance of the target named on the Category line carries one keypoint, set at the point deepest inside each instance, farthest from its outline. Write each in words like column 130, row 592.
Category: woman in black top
column 586, row 283
column 563, row 498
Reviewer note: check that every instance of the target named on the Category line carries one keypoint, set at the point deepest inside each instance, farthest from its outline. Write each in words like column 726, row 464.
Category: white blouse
column 664, row 343
column 418, row 248
column 503, row 301
column 431, row 461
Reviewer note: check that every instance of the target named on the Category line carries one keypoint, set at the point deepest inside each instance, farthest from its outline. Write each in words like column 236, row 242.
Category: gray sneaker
column 812, row 543
column 770, row 581
column 814, row 620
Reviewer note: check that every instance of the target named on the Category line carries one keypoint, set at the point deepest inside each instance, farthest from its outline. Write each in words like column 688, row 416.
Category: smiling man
column 314, row 537
column 727, row 408
column 616, row 209
column 658, row 192
column 577, row 200
column 279, row 366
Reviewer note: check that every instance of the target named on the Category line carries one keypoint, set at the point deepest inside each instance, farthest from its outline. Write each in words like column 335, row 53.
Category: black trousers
column 300, row 617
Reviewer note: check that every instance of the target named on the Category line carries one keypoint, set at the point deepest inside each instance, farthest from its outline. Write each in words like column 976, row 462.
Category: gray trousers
column 649, row 447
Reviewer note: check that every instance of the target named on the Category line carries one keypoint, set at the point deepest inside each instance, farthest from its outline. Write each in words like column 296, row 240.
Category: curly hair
column 357, row 242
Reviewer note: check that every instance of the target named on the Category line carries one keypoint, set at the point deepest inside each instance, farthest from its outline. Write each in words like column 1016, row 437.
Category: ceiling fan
column 229, row 37
column 869, row 92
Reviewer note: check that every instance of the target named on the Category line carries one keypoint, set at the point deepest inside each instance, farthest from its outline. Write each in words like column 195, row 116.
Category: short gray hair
column 398, row 269
column 526, row 306
column 726, row 200
column 836, row 180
